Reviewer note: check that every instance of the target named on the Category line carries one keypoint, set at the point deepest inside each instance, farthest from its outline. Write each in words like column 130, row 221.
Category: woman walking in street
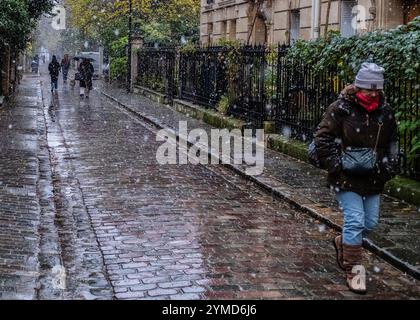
column 86, row 73
column 65, row 66
column 54, row 69
column 357, row 143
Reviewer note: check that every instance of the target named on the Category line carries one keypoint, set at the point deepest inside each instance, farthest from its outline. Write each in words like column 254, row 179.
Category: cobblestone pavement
column 398, row 231
column 121, row 226
column 19, row 210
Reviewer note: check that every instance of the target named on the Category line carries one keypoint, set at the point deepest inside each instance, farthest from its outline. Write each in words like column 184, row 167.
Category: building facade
column 283, row 21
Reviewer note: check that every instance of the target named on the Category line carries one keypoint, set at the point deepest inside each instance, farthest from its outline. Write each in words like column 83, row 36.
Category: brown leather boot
column 338, row 245
column 355, row 271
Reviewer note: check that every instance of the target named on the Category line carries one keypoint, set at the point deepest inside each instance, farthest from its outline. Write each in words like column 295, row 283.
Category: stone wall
column 222, row 18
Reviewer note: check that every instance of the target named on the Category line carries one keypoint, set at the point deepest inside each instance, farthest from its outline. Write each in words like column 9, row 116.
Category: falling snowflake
column 10, row 126
column 286, row 131
column 322, row 228
column 376, row 269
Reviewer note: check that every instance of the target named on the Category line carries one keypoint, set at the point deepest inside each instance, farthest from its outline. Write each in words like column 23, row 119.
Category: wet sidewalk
column 86, row 212
column 19, row 209
column 397, row 238
column 131, row 228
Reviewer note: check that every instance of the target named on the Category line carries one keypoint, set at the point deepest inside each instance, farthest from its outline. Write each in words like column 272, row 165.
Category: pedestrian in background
column 86, row 73
column 34, row 66
column 65, row 66
column 357, row 143
column 54, row 69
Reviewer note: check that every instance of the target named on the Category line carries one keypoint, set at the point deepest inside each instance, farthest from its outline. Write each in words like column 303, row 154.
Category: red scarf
column 369, row 103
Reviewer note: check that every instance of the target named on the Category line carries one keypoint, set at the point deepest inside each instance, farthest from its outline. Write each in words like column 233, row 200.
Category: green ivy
column 223, row 105
column 188, row 48
column 118, row 65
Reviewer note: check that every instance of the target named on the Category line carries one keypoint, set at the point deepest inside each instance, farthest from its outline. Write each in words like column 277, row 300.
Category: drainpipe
column 316, row 14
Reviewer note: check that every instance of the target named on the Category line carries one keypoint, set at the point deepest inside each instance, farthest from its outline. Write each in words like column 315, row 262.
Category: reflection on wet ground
column 120, row 225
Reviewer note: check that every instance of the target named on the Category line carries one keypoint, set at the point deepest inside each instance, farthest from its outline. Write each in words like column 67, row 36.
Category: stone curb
column 280, row 191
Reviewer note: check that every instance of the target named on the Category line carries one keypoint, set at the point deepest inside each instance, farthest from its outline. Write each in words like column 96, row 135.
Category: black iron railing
column 404, row 97
column 248, row 97
column 261, row 83
column 156, row 70
column 302, row 96
column 202, row 75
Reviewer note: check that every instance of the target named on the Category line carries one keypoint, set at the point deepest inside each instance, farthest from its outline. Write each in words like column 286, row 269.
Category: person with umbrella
column 85, row 76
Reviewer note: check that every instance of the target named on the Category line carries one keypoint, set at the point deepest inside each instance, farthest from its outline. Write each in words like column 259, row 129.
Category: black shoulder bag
column 360, row 161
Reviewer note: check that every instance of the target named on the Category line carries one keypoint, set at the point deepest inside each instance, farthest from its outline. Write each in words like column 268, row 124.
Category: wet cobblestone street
column 82, row 194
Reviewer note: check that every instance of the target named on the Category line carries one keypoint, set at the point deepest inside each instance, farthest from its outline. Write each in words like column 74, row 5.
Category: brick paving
column 398, row 231
column 124, row 227
column 19, row 209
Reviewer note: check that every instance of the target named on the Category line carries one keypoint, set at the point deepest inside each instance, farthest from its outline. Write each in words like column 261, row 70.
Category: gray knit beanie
column 370, row 76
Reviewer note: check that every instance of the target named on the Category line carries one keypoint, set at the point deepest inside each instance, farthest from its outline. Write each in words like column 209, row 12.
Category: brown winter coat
column 346, row 123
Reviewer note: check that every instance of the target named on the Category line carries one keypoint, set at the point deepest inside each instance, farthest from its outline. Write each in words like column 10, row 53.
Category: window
column 232, row 29
column 347, row 30
column 223, row 29
column 411, row 9
column 259, row 31
column 294, row 25
column 210, row 32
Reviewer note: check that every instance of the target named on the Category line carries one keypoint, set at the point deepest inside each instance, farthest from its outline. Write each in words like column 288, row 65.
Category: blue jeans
column 361, row 213
column 54, row 84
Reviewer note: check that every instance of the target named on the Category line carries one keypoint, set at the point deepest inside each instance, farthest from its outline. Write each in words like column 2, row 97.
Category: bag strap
column 380, row 124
